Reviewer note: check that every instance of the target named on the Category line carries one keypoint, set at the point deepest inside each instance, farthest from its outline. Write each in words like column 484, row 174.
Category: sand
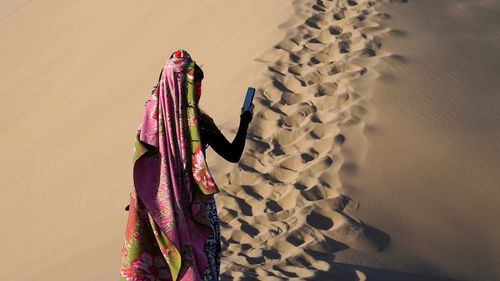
column 429, row 176
column 371, row 155
column 75, row 77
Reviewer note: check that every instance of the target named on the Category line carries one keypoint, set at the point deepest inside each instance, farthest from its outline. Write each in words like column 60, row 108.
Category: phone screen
column 248, row 98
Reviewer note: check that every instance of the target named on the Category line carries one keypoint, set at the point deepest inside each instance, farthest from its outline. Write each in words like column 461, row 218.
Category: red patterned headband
column 180, row 54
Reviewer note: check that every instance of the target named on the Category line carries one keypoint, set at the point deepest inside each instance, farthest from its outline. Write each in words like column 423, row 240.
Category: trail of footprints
column 282, row 209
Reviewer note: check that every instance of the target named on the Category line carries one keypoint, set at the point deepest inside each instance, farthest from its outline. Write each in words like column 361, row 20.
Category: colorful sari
column 171, row 226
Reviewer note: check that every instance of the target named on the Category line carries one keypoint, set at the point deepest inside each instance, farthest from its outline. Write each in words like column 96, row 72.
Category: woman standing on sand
column 173, row 228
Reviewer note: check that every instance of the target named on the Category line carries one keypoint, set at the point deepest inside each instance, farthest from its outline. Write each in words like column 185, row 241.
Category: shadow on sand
column 347, row 272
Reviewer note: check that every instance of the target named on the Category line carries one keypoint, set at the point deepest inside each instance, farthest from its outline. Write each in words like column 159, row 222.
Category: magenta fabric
column 163, row 170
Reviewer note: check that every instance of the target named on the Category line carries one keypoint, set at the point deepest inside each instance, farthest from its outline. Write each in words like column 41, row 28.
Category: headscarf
column 171, row 177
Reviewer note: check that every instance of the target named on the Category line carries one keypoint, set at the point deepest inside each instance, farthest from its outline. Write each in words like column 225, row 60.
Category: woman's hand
column 247, row 115
column 250, row 109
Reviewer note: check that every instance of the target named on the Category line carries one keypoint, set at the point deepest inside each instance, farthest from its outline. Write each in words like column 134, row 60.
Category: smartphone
column 248, row 99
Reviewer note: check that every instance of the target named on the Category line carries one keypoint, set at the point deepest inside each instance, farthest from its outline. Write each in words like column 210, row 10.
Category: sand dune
column 429, row 176
column 324, row 133
column 371, row 155
column 289, row 220
column 74, row 79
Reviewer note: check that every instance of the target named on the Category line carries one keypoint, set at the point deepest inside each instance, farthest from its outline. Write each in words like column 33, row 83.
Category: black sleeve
column 231, row 151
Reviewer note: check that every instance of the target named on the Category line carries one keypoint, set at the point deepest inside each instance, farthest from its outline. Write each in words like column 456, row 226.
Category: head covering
column 171, row 177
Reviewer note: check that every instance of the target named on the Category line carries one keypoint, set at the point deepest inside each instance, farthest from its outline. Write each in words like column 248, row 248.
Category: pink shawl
column 171, row 177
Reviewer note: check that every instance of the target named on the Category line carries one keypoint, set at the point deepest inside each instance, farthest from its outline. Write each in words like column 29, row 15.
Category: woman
column 173, row 229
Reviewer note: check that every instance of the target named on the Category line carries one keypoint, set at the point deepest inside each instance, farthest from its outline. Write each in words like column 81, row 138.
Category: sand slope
column 371, row 156
column 284, row 205
column 429, row 178
column 389, row 105
column 75, row 76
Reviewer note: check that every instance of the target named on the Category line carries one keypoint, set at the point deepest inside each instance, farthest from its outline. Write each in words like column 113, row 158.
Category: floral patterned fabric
column 169, row 223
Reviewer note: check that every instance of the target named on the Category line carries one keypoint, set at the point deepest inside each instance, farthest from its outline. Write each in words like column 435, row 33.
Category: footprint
column 269, row 96
column 293, row 163
column 306, row 180
column 227, row 214
column 345, row 36
column 277, row 150
column 319, row 7
column 289, row 98
column 283, row 175
column 319, row 58
column 286, row 137
column 319, row 192
column 301, row 235
column 339, row 139
column 248, row 229
column 322, row 147
column 334, row 70
column 369, row 52
column 250, row 190
column 271, row 254
column 329, row 103
column 321, row 131
column 256, row 144
column 319, row 221
column 316, row 40
column 316, row 21
column 295, row 70
column 335, row 30
column 280, row 86
column 262, row 129
column 288, row 45
column 276, row 68
column 272, row 206
column 287, row 274
column 370, row 49
column 322, row 165
column 293, row 84
column 330, row 179
column 352, row 3
column 339, row 15
column 312, row 78
column 281, row 216
column 296, row 58
column 253, row 260
column 300, row 262
column 267, row 115
column 324, row 116
column 296, row 118
column 361, row 17
column 327, row 89
column 313, row 61
column 307, row 157
column 344, row 46
column 243, row 177
column 323, row 38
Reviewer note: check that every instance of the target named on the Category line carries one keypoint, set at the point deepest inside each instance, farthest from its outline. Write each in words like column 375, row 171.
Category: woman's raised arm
column 231, row 151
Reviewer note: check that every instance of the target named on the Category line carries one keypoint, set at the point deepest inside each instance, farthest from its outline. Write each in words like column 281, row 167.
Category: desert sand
column 372, row 154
